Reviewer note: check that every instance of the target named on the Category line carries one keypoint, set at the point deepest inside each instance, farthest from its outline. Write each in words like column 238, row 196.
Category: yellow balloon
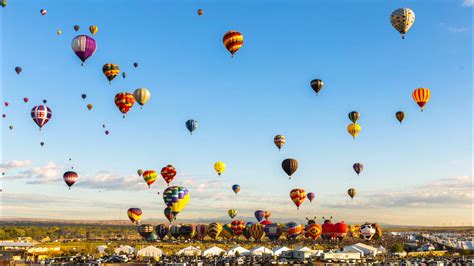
column 353, row 129
column 141, row 95
column 93, row 29
column 219, row 167
column 59, row 32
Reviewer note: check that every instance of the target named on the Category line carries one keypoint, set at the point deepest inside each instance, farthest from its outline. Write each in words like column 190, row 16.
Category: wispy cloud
column 455, row 29
column 15, row 164
column 468, row 3
column 443, row 193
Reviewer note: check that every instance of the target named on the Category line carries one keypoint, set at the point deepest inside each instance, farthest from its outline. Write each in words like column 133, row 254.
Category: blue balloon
column 191, row 125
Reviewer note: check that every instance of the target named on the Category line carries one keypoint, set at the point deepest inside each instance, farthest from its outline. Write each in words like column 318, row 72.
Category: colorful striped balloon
column 41, row 114
column 84, row 47
column 175, row 231
column 358, row 167
column 227, row 231
column 233, row 40
column 273, row 231
column 145, row 230
column 293, row 230
column 150, row 177
column 110, row 71
column 168, row 173
column 135, row 215
column 279, row 141
column 313, row 231
column 256, row 231
column 176, row 198
column 214, row 230
column 201, row 231
column 124, row 101
column 421, row 97
column 162, row 230
column 298, row 196
column 238, row 227
column 70, row 177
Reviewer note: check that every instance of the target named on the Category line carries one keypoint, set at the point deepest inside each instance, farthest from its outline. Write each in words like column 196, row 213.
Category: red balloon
column 25, row 100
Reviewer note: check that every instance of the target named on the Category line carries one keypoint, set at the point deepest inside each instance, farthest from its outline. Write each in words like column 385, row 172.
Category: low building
column 279, row 250
column 213, row 251
column 340, row 256
column 238, row 250
column 363, row 249
column 300, row 253
column 190, row 251
column 124, row 250
column 261, row 251
column 150, row 251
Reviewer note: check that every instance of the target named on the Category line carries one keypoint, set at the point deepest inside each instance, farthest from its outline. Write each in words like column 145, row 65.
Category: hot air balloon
column 84, row 96
column 10, row 127
column 176, row 198
column 246, row 233
column 18, row 70
column 238, row 227
column 175, row 231
column 191, row 125
column 150, row 177
column 317, row 85
column 7, row 104
column 93, row 29
column 358, row 167
column 145, row 230
column 201, row 231
column 272, row 231
column 421, row 97
column 124, row 101
column 76, row 27
column 41, row 114
column 152, row 237
column 187, row 231
column 107, row 132
column 354, row 116
column 232, row 213
column 124, row 74
column 311, row 196
column 168, row 214
column 353, row 130
column 168, row 173
column 200, row 12
column 289, row 166
column 89, row 106
column 110, row 71
column 279, row 141
column 4, row 115
column 70, row 177
column 162, row 230
column 140, row 172
column 4, row 3
column 341, row 230
column 265, row 222
column 402, row 19
column 233, row 40
column 135, row 64
column 84, row 47
column 267, row 214
column 367, row 231
column 236, row 188
column 214, row 230
column 59, row 32
column 42, row 144
column 141, row 96
column 378, row 231
column 219, row 167
column 400, row 116
column 135, row 215
column 43, row 12
column 256, row 231
column 45, row 101
column 313, row 231
column 298, row 196
column 329, row 229
column 259, row 215
column 352, row 192
column 227, row 231
column 293, row 230
column 25, row 100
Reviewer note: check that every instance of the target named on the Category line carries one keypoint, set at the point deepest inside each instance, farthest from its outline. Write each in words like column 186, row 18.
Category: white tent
column 213, row 251
column 381, row 250
column 150, row 251
column 260, row 251
column 278, row 250
column 190, row 251
column 124, row 249
column 303, row 249
column 362, row 249
column 242, row 251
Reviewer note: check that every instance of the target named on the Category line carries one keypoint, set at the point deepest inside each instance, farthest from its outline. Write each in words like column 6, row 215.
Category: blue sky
column 420, row 169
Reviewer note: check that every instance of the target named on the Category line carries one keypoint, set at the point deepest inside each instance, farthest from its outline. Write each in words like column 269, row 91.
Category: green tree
column 397, row 248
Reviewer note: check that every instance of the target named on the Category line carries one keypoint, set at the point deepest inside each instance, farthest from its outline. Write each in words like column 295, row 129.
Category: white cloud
column 468, row 3
column 108, row 180
column 15, row 164
column 443, row 193
column 457, row 29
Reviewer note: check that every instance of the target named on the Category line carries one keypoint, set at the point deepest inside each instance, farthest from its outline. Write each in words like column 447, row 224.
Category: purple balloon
column 84, row 47
column 259, row 215
column 311, row 196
